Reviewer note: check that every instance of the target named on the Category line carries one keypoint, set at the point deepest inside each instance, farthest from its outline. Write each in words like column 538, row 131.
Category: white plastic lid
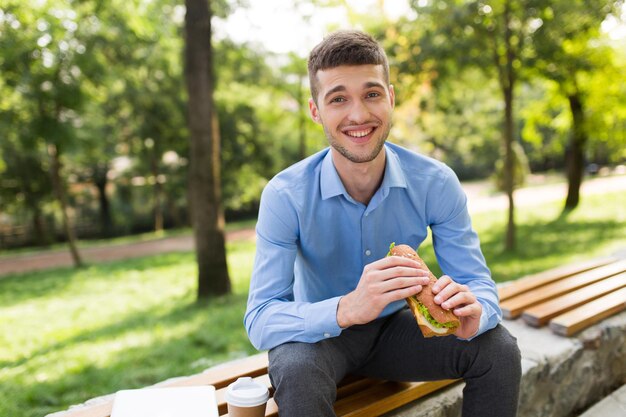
column 246, row 393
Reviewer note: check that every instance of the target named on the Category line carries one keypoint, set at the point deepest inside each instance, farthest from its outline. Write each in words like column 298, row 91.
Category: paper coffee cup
column 246, row 398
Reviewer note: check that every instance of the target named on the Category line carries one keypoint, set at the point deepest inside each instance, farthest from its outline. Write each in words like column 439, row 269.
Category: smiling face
column 354, row 106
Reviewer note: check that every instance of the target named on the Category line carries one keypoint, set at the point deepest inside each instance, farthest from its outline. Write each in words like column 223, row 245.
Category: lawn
column 68, row 335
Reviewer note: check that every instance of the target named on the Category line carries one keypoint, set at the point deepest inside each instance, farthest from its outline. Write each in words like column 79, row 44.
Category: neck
column 361, row 180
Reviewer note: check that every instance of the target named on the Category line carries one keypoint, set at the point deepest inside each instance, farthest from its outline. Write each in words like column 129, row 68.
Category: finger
column 441, row 283
column 391, row 261
column 404, row 271
column 402, row 282
column 448, row 291
column 459, row 299
column 396, row 272
column 471, row 310
column 401, row 294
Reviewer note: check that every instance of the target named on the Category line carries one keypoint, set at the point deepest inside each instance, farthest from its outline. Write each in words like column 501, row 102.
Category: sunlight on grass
column 68, row 335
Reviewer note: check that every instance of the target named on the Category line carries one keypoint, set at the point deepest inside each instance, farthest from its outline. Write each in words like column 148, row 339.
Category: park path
column 479, row 200
column 61, row 257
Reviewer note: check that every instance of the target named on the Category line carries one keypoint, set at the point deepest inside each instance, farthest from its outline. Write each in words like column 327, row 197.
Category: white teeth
column 360, row 133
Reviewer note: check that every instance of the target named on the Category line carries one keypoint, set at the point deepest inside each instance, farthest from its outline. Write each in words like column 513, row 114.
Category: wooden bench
column 356, row 396
column 568, row 298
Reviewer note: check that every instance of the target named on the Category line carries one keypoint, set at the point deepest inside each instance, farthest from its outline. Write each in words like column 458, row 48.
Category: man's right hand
column 384, row 281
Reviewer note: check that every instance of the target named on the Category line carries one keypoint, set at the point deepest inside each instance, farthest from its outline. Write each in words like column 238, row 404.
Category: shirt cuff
column 320, row 320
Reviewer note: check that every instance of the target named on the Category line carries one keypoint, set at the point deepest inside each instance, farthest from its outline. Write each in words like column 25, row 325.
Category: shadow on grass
column 228, row 308
column 215, row 334
column 15, row 289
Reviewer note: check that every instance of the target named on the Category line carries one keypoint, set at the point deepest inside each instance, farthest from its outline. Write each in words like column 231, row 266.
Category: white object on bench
column 166, row 402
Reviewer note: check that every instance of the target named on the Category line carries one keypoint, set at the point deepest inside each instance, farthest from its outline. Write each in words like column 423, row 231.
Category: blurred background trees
column 93, row 108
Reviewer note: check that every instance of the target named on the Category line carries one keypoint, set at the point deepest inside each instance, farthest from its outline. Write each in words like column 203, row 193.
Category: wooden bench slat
column 584, row 316
column 530, row 282
column 513, row 307
column 540, row 314
column 223, row 375
column 385, row 397
column 99, row 410
column 354, row 385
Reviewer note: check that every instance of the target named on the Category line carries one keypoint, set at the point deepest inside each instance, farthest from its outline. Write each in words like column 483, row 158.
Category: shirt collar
column 332, row 186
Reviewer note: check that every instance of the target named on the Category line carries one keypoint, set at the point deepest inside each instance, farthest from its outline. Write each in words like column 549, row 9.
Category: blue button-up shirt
column 313, row 241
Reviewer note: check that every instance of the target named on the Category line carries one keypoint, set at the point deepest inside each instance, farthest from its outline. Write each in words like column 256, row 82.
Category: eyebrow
column 369, row 84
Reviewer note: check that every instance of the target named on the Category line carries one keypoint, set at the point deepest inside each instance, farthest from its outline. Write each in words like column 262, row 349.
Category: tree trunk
column 100, row 181
column 158, row 193
column 575, row 152
column 174, row 213
column 509, row 166
column 39, row 227
column 59, row 189
column 205, row 206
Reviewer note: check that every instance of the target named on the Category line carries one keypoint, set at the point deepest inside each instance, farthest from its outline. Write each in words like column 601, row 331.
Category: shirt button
column 368, row 252
column 326, row 334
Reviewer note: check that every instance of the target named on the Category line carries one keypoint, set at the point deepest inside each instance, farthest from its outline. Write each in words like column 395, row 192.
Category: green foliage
column 116, row 78
column 570, row 53
column 104, row 82
column 453, row 123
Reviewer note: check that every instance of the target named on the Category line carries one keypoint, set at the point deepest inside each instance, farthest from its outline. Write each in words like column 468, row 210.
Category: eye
column 338, row 99
column 373, row 94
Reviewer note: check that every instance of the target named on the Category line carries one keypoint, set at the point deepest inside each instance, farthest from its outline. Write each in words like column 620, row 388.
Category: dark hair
column 345, row 47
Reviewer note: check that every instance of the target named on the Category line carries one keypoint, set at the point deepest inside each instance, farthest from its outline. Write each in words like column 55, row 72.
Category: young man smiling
column 324, row 298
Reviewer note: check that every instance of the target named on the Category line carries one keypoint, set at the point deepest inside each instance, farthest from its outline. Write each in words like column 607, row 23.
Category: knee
column 294, row 368
column 300, row 362
column 506, row 349
column 500, row 350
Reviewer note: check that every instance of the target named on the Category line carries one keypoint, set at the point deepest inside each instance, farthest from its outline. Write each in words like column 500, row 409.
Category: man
column 324, row 298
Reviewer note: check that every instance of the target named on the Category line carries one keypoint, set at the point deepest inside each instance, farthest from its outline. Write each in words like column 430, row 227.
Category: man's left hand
column 463, row 303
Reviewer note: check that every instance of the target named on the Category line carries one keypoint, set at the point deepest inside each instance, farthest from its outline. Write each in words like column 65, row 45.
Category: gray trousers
column 305, row 375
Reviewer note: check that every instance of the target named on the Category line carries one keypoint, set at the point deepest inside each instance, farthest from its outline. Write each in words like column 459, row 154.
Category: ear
column 392, row 96
column 314, row 111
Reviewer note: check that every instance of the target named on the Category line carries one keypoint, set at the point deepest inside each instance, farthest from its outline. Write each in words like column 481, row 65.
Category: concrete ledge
column 613, row 405
column 561, row 376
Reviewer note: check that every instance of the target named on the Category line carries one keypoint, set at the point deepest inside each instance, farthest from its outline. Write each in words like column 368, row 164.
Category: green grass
column 68, row 335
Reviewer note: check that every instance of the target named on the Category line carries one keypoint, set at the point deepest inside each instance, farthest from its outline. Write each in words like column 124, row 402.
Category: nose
column 359, row 112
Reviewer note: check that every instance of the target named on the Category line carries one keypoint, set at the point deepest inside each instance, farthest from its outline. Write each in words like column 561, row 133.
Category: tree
column 494, row 37
column 40, row 69
column 567, row 48
column 204, row 172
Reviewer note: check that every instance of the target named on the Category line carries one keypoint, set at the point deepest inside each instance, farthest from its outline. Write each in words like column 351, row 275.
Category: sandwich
column 432, row 319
